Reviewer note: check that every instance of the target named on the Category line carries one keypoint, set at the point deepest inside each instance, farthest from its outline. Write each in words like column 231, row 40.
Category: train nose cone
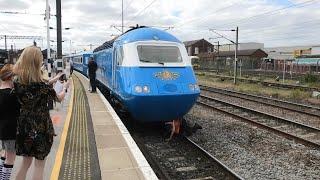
column 162, row 108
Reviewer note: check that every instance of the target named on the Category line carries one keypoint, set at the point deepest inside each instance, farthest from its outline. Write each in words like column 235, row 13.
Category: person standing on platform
column 71, row 66
column 9, row 110
column 92, row 66
column 34, row 137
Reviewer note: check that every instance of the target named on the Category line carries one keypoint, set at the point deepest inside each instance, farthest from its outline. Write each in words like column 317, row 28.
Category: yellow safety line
column 58, row 161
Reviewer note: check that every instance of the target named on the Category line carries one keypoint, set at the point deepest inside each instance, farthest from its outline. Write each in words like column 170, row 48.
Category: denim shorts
column 8, row 145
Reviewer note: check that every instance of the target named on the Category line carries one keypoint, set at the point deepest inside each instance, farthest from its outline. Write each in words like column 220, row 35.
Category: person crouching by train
column 9, row 110
column 92, row 66
column 35, row 131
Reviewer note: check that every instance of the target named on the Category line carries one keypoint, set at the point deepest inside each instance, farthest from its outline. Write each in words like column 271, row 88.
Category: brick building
column 199, row 46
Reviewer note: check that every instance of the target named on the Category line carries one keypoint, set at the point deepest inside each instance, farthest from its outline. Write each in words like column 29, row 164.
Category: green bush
column 310, row 78
column 275, row 95
column 261, row 78
column 200, row 74
column 298, row 94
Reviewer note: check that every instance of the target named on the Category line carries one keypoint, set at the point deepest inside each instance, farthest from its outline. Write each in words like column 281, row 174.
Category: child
column 9, row 111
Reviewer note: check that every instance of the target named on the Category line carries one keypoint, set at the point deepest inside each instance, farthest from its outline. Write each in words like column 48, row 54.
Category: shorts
column 9, row 145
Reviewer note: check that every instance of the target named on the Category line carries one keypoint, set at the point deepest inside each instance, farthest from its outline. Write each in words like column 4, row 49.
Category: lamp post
column 236, row 56
column 236, row 49
column 67, row 28
column 218, row 51
column 63, row 28
column 284, row 70
column 47, row 17
column 122, row 17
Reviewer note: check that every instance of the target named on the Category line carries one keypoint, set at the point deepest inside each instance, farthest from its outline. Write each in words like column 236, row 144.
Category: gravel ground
column 251, row 152
column 294, row 116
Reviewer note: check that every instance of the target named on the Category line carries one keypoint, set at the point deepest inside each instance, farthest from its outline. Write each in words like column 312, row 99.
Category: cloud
column 273, row 22
column 15, row 4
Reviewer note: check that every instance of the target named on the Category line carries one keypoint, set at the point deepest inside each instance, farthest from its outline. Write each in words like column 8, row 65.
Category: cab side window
column 119, row 55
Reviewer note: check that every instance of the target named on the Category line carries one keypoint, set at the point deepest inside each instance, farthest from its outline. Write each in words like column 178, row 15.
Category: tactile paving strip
column 80, row 159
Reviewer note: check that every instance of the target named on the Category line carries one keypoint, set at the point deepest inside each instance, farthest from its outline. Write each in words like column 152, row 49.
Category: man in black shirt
column 92, row 65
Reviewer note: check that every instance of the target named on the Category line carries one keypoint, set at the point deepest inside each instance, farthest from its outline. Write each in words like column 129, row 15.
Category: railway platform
column 91, row 141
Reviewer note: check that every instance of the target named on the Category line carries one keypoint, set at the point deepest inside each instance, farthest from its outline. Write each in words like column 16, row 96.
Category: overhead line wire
column 284, row 25
column 216, row 11
column 272, row 12
column 143, row 10
column 289, row 27
column 125, row 10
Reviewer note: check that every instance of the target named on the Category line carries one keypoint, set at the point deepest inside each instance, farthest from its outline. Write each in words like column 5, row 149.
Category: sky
column 272, row 22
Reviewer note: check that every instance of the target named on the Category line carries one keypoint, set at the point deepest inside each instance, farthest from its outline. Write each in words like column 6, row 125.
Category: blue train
column 80, row 61
column 148, row 71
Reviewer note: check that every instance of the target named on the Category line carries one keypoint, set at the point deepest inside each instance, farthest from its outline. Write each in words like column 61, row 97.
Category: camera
column 63, row 77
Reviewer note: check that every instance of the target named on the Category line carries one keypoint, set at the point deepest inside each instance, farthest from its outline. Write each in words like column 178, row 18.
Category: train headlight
column 138, row 89
column 146, row 89
column 194, row 87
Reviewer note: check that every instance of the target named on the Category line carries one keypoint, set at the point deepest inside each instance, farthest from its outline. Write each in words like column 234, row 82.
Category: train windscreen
column 159, row 54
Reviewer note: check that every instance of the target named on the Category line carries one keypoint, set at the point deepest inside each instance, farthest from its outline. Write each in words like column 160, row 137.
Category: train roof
column 139, row 34
column 79, row 54
column 145, row 34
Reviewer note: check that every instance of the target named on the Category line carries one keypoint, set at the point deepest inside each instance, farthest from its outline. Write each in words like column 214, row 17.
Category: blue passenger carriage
column 80, row 61
column 149, row 72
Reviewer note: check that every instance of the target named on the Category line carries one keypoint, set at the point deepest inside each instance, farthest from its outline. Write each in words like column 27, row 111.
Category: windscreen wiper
column 143, row 60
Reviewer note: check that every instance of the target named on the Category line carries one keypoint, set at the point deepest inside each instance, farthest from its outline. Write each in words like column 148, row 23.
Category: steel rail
column 263, row 126
column 164, row 174
column 161, row 173
column 269, row 83
column 232, row 174
column 261, row 98
column 304, row 126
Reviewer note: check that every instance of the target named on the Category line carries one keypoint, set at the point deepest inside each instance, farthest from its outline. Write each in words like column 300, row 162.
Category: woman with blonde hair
column 9, row 110
column 34, row 127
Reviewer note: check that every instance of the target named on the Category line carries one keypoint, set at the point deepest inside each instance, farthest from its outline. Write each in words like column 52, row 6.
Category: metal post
column 5, row 46
column 235, row 57
column 5, row 42
column 48, row 30
column 59, row 35
column 240, row 66
column 70, row 47
column 218, row 58
column 284, row 70
column 122, row 18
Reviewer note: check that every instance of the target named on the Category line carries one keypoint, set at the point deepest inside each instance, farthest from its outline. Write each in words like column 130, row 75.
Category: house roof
column 190, row 43
column 247, row 52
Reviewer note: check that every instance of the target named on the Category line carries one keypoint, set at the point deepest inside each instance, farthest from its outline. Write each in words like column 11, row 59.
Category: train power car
column 149, row 72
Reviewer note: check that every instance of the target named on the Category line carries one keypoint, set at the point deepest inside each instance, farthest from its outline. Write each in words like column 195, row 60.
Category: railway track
column 299, row 132
column 181, row 158
column 295, row 107
column 266, row 83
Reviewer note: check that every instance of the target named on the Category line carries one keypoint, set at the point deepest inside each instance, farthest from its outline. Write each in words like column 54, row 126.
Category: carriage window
column 159, row 54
